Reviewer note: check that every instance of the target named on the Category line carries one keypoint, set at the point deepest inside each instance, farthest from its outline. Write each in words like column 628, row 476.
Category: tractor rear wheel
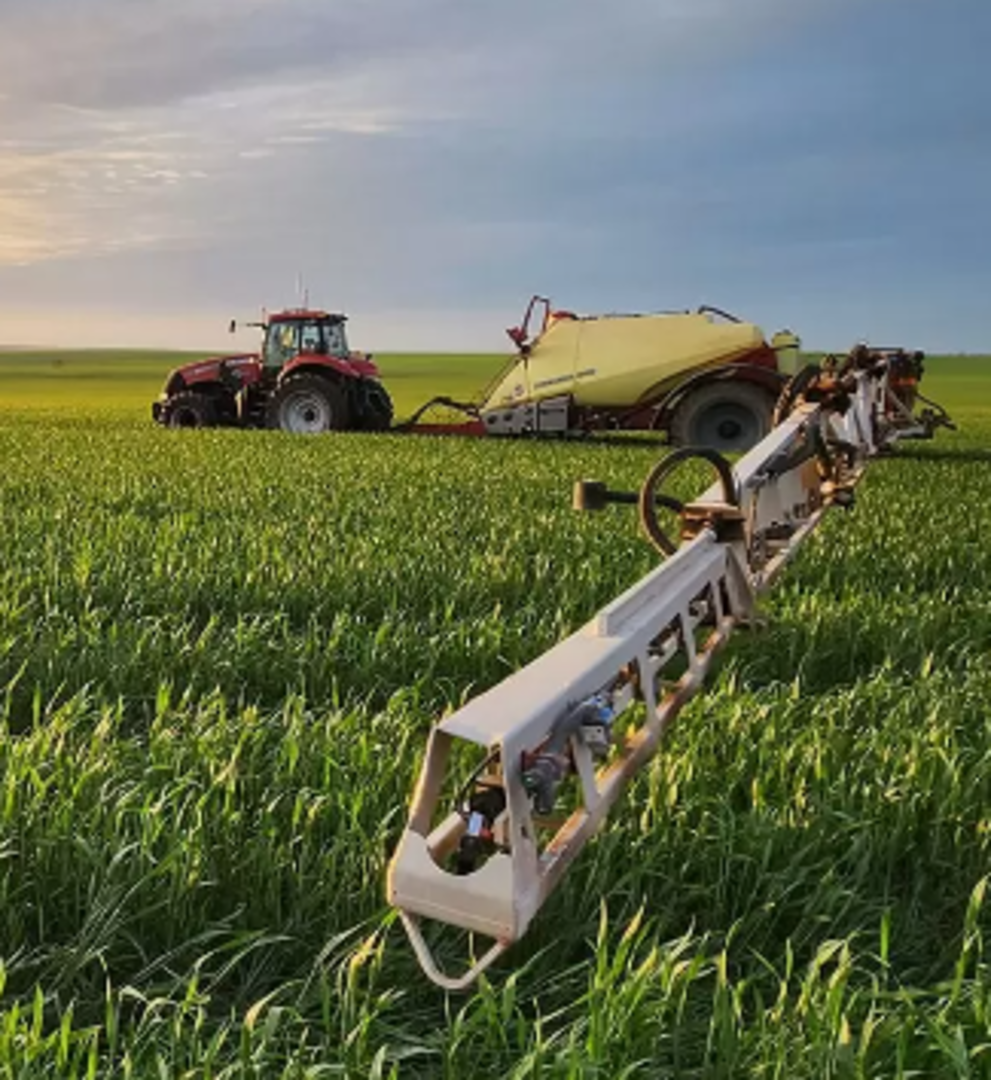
column 308, row 405
column 726, row 416
column 378, row 408
column 191, row 410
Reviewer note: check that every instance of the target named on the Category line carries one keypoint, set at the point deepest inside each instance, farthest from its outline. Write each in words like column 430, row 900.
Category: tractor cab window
column 334, row 336
column 310, row 338
column 281, row 344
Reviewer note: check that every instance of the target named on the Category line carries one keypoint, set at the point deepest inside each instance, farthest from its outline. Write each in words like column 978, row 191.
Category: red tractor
column 304, row 380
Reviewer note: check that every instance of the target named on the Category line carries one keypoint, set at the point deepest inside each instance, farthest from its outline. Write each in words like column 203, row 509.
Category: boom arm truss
column 568, row 731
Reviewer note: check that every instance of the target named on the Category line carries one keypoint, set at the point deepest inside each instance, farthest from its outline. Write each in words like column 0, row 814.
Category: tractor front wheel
column 308, row 405
column 727, row 416
column 191, row 410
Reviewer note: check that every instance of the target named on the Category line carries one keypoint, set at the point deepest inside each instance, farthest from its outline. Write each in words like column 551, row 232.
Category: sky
column 427, row 165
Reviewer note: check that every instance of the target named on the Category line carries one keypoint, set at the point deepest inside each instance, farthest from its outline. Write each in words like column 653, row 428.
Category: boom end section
column 482, row 901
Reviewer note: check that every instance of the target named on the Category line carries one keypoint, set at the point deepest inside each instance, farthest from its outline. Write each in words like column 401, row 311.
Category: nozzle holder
column 594, row 495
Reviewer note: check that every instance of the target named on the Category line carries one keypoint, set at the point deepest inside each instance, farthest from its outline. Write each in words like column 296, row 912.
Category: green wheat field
column 221, row 653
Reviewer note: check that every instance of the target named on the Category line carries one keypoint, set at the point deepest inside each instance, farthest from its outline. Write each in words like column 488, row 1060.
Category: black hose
column 793, row 389
column 650, row 497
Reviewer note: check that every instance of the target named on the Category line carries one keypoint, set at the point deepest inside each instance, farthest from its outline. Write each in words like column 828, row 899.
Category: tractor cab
column 290, row 333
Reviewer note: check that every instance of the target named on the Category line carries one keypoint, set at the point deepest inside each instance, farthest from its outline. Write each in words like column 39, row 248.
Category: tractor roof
column 300, row 314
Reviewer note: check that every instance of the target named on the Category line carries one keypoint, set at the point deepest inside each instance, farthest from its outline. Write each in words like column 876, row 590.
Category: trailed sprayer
column 704, row 377
column 516, row 781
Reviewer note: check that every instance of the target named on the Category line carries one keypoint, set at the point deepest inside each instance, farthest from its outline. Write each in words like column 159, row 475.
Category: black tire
column 308, row 405
column 377, row 414
column 727, row 416
column 190, row 409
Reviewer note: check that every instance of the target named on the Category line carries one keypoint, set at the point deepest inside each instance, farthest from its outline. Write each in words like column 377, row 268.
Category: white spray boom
column 544, row 755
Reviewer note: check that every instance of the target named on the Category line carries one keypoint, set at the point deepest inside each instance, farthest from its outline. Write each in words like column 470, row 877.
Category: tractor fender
column 330, row 367
column 767, row 378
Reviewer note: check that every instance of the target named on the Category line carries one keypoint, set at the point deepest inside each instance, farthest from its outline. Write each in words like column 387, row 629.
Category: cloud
column 123, row 54
column 81, row 186
column 443, row 155
column 137, row 96
column 136, row 128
